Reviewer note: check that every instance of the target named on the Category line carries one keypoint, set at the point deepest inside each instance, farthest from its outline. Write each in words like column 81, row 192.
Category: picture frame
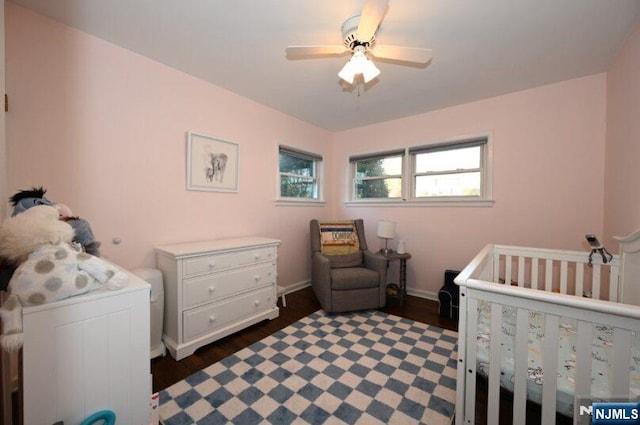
column 212, row 163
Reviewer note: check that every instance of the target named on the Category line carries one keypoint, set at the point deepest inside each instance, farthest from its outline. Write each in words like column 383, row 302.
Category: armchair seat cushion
column 346, row 260
column 354, row 278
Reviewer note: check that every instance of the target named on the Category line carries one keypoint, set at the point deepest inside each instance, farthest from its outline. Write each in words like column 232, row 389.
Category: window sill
column 299, row 203
column 422, row 203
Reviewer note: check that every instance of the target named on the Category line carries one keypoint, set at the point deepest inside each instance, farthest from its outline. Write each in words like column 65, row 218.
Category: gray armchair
column 349, row 282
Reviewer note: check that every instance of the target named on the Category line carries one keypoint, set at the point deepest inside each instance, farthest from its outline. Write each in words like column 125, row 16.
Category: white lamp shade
column 347, row 73
column 369, row 71
column 386, row 229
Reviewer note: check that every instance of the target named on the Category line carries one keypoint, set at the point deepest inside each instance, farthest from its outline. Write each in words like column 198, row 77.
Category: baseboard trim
column 428, row 295
column 296, row 286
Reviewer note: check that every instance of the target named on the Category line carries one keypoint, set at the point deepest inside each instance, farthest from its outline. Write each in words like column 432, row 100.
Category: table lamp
column 386, row 231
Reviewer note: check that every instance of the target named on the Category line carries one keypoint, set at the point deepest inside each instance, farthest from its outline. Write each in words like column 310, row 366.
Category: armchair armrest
column 321, row 278
column 377, row 263
column 321, row 266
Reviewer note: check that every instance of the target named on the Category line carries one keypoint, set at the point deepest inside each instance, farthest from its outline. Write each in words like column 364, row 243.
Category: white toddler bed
column 527, row 311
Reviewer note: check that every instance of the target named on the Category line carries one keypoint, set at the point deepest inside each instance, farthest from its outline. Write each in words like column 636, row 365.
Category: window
column 451, row 173
column 450, row 170
column 377, row 176
column 299, row 174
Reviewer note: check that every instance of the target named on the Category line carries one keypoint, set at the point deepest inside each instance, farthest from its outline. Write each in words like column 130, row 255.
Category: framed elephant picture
column 212, row 163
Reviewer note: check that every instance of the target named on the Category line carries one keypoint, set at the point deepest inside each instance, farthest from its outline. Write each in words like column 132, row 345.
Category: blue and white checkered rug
column 355, row 368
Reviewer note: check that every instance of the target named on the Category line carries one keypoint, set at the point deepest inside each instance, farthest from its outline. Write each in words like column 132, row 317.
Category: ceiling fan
column 359, row 39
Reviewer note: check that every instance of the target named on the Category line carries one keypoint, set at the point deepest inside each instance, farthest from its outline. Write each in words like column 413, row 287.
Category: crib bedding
column 601, row 353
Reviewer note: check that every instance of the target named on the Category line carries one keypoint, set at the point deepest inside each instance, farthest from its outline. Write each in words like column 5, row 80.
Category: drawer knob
column 212, row 265
column 257, row 277
column 212, row 319
column 257, row 302
column 212, row 289
column 256, row 256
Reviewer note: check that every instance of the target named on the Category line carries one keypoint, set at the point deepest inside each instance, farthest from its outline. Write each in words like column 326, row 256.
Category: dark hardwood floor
column 166, row 371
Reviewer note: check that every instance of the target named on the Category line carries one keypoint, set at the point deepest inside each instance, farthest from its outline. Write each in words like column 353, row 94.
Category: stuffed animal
column 49, row 267
column 83, row 234
column 25, row 199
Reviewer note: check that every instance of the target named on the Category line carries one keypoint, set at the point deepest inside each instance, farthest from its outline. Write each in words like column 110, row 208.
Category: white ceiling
column 480, row 48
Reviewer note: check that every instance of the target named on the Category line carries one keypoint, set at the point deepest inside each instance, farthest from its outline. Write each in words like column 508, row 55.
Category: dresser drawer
column 206, row 319
column 217, row 262
column 212, row 287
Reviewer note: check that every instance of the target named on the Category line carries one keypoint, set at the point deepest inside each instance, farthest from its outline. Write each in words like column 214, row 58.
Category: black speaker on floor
column 449, row 296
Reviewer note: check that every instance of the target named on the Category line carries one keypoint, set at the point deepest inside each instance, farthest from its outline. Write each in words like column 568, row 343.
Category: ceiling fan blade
column 403, row 54
column 294, row 51
column 372, row 13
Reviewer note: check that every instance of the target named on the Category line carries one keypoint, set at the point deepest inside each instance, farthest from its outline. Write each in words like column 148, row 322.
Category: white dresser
column 88, row 353
column 215, row 288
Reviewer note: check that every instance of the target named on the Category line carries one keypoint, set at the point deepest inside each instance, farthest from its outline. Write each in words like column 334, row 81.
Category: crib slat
column 493, row 400
column 620, row 361
column 470, row 384
column 584, row 336
column 507, row 270
column 579, row 279
column 463, row 347
column 521, row 271
column 534, row 273
column 613, row 284
column 595, row 285
column 520, row 370
column 549, row 368
column 548, row 275
column 563, row 277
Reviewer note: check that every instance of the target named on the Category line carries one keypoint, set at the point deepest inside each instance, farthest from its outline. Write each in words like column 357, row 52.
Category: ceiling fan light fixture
column 359, row 64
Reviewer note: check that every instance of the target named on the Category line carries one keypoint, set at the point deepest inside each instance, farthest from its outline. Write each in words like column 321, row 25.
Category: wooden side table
column 402, row 278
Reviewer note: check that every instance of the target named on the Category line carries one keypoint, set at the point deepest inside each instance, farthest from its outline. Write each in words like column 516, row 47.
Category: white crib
column 527, row 311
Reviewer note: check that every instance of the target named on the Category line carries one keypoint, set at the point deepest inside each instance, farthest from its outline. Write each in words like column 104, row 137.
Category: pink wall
column 104, row 130
column 548, row 148
column 622, row 207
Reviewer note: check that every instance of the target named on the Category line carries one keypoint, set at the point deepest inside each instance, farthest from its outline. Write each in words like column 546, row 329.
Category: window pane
column 461, row 184
column 379, row 188
column 391, row 166
column 297, row 187
column 448, row 160
column 296, row 165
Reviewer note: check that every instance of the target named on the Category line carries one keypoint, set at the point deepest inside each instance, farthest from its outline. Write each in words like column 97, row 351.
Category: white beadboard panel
column 88, row 353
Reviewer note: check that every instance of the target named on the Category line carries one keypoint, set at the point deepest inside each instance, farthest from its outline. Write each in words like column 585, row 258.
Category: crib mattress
column 601, row 353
